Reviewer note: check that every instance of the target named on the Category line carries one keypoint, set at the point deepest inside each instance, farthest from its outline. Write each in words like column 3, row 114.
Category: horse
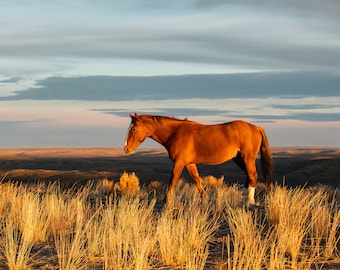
column 189, row 143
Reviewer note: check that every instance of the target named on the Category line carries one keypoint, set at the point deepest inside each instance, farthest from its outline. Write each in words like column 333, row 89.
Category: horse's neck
column 164, row 131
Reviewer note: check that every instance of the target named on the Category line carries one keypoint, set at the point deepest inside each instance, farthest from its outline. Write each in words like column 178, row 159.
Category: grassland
column 56, row 217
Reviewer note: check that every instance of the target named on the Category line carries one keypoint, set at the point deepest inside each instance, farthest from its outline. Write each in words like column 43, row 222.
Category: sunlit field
column 123, row 225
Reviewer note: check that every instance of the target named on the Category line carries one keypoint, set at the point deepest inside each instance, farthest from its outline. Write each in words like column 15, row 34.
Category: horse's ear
column 134, row 117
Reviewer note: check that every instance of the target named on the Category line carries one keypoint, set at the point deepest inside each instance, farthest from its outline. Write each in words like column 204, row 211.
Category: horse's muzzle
column 127, row 150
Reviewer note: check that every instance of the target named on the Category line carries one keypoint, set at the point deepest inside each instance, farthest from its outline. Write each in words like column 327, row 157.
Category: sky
column 71, row 72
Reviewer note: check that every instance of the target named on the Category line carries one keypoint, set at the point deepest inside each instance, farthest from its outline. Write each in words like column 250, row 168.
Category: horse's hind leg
column 252, row 179
column 249, row 167
column 240, row 163
column 192, row 169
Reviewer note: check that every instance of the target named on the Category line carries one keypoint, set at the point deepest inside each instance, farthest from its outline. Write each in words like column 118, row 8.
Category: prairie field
column 98, row 209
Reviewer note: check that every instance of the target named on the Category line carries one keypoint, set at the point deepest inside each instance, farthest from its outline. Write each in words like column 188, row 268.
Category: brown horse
column 189, row 143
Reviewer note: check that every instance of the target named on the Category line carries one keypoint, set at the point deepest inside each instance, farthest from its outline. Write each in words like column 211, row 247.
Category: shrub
column 128, row 184
column 212, row 181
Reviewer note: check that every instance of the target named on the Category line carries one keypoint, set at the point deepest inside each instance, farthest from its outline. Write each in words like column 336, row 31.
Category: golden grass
column 248, row 241
column 125, row 226
column 183, row 234
column 128, row 234
column 304, row 221
column 128, row 184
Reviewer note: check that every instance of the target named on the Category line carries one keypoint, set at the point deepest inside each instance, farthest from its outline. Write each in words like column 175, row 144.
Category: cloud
column 311, row 106
column 32, row 122
column 165, row 111
column 212, row 86
column 7, row 124
column 299, row 7
column 305, row 96
column 9, row 80
column 223, row 110
column 246, row 35
column 317, row 117
column 309, row 117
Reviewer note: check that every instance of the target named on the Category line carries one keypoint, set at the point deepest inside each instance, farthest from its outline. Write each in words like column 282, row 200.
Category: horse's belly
column 215, row 156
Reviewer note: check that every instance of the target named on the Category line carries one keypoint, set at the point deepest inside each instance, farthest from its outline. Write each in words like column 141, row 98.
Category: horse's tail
column 266, row 158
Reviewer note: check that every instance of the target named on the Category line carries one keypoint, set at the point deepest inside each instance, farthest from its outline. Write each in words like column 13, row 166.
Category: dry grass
column 124, row 226
column 184, row 233
column 304, row 221
column 248, row 241
column 128, row 184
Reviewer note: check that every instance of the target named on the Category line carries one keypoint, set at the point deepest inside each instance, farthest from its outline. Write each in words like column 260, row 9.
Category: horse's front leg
column 192, row 169
column 175, row 175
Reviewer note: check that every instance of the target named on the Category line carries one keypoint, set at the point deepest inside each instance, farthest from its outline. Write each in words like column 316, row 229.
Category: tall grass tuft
column 249, row 240
column 16, row 246
column 70, row 218
column 23, row 223
column 128, row 235
column 183, row 233
column 302, row 220
column 128, row 184
column 104, row 187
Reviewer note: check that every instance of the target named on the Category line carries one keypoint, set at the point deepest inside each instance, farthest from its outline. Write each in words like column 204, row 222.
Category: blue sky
column 72, row 71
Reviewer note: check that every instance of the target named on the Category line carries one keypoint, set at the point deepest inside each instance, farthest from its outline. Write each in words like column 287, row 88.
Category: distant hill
column 291, row 166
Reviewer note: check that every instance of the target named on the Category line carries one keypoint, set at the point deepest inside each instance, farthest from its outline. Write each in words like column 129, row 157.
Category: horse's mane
column 159, row 119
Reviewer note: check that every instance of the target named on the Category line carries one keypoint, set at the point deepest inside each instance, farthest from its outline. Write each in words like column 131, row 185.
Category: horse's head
column 137, row 133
